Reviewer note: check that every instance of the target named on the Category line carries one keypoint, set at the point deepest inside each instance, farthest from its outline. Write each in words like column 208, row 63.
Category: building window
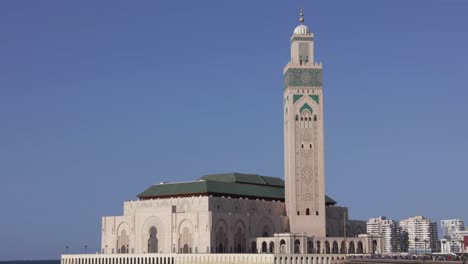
column 316, row 212
column 315, row 117
column 153, row 240
column 297, row 246
column 307, row 211
column 302, row 145
column 298, row 213
column 297, row 117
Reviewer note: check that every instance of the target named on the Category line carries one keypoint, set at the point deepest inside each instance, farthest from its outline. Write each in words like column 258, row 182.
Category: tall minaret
column 303, row 136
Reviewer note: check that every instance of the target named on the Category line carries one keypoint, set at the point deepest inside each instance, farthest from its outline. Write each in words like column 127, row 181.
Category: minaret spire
column 301, row 18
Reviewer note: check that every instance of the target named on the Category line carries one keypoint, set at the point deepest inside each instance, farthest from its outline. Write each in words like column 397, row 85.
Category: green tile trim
column 315, row 98
column 302, row 77
column 306, row 106
column 296, row 97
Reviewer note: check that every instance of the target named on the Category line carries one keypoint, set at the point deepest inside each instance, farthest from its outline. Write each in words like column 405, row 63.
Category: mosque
column 249, row 213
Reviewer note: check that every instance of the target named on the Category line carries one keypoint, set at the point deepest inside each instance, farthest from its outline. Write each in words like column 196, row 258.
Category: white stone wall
column 192, row 225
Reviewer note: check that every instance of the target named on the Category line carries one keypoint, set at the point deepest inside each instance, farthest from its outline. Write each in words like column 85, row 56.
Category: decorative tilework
column 296, row 97
column 306, row 106
column 302, row 38
column 302, row 77
column 315, row 98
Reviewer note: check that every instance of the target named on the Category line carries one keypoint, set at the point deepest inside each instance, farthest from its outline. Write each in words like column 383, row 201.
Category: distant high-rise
column 452, row 230
column 422, row 234
column 389, row 229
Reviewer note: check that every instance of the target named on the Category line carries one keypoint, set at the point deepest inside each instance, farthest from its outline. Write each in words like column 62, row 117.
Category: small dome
column 301, row 30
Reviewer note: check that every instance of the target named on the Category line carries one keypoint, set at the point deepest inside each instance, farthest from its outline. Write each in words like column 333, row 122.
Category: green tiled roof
column 227, row 184
column 244, row 178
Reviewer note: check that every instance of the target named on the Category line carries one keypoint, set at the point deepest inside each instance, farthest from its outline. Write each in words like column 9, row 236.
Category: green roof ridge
column 226, row 184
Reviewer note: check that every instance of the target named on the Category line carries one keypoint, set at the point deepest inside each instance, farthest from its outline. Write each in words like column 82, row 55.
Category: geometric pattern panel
column 302, row 77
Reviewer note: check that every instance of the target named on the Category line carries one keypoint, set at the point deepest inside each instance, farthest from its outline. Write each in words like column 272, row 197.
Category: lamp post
column 106, row 249
column 86, row 249
column 66, row 249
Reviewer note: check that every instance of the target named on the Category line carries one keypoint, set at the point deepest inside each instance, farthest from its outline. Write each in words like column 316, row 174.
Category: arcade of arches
column 291, row 244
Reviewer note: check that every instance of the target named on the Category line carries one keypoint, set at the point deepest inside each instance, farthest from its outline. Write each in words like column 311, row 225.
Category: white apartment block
column 422, row 234
column 387, row 228
column 452, row 230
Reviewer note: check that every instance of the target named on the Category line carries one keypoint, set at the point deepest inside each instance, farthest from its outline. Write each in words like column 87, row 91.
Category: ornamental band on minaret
column 303, row 136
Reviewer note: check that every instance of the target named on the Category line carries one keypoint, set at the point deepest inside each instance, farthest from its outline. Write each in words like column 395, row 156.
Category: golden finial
column 301, row 18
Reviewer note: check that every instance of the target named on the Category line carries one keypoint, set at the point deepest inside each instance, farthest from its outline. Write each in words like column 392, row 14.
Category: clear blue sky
column 101, row 99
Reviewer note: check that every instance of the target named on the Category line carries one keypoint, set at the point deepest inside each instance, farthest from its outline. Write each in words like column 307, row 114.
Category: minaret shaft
column 303, row 137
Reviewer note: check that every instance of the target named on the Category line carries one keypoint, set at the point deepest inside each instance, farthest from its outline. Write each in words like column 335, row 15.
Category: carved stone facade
column 200, row 224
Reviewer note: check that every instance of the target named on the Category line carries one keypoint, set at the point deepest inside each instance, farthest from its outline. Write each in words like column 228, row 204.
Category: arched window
column 307, row 211
column 254, row 247
column 351, row 248
column 264, row 247
column 239, row 240
column 298, row 213
column 315, row 117
column 310, row 247
column 153, row 240
column 297, row 246
column 297, row 117
column 185, row 241
column 335, row 247
column 343, row 248
column 272, row 247
column 221, row 239
column 122, row 242
column 327, row 247
column 360, row 248
column 282, row 246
